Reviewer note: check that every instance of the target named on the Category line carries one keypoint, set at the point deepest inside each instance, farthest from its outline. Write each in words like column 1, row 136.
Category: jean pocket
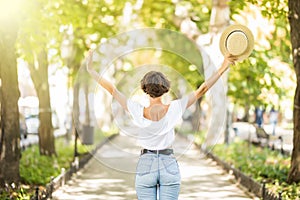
column 144, row 165
column 171, row 165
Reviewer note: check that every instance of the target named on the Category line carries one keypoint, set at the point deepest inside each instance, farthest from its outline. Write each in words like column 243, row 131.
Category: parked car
column 33, row 123
column 55, row 120
column 244, row 130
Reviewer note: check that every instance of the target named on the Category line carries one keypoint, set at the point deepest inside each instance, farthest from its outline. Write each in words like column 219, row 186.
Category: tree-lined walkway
column 110, row 175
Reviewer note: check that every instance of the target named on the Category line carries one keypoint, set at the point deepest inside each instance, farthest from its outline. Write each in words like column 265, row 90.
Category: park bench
column 262, row 136
column 265, row 139
column 258, row 136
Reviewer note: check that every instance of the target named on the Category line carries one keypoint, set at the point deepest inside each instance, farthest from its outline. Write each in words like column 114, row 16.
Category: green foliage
column 199, row 137
column 162, row 13
column 158, row 14
column 200, row 14
column 260, row 163
column 36, row 169
column 39, row 27
column 11, row 192
column 250, row 78
column 191, row 74
column 270, row 9
column 82, row 24
column 255, row 76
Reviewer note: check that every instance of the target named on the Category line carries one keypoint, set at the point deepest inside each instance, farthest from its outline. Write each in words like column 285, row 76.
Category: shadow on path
column 110, row 175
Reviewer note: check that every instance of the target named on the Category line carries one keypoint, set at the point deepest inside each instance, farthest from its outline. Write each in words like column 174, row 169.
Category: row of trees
column 69, row 28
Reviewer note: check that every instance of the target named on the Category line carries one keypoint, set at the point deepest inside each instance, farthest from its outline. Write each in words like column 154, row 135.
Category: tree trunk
column 39, row 75
column 9, row 95
column 212, row 59
column 46, row 137
column 75, row 112
column 246, row 116
column 294, row 14
column 87, row 105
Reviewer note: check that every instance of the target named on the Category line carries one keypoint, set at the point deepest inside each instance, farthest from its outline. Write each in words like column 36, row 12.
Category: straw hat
column 237, row 40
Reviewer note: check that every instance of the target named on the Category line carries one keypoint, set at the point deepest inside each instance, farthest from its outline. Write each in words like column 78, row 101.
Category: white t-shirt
column 157, row 135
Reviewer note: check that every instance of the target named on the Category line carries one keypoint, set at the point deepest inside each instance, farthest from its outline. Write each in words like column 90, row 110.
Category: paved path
column 110, row 175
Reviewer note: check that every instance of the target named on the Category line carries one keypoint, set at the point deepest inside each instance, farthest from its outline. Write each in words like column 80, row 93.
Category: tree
column 280, row 46
column 294, row 13
column 173, row 16
column 260, row 78
column 10, row 151
column 210, row 19
column 45, row 131
column 219, row 20
column 37, row 30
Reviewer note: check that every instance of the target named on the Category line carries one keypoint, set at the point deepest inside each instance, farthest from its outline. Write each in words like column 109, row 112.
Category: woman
column 157, row 169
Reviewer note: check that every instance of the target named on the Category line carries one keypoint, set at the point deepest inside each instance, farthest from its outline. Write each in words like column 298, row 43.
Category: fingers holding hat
column 231, row 58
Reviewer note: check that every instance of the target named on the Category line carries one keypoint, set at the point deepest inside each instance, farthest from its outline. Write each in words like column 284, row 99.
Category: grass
column 37, row 170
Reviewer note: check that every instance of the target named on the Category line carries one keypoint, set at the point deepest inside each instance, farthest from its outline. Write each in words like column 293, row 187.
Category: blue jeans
column 157, row 175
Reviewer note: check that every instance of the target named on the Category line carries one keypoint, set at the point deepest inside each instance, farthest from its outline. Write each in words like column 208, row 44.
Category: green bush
column 37, row 170
column 261, row 164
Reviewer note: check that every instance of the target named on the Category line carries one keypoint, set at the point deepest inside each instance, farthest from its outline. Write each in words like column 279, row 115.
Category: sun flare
column 9, row 9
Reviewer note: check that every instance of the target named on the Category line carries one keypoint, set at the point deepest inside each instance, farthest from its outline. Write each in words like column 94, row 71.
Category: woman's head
column 155, row 84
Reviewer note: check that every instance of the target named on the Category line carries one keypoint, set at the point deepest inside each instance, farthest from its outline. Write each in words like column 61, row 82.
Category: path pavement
column 110, row 175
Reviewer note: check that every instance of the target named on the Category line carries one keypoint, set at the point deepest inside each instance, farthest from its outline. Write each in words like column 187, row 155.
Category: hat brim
column 231, row 29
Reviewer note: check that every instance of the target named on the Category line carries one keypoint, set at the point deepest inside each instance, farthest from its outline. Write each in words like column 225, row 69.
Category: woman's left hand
column 230, row 59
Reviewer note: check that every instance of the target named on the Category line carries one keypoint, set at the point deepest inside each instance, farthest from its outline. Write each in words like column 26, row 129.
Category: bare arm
column 121, row 98
column 204, row 87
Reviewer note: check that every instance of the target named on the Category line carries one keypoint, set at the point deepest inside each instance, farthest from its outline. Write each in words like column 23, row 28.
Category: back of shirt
column 156, row 135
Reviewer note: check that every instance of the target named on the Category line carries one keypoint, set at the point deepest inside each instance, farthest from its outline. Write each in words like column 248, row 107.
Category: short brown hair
column 155, row 84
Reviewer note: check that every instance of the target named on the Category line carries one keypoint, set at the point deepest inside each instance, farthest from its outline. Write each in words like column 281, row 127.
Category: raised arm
column 121, row 98
column 204, row 87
